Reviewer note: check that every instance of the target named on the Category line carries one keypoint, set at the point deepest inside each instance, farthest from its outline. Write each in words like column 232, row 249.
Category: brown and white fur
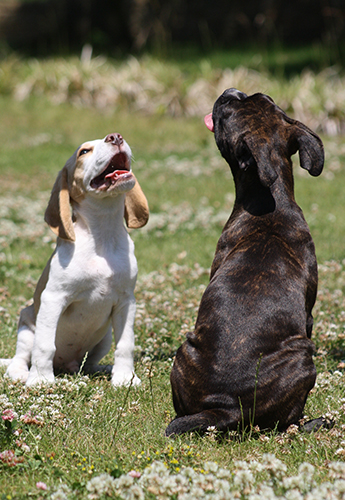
column 87, row 287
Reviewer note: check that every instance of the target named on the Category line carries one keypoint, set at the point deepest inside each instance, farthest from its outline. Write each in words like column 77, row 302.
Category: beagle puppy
column 87, row 287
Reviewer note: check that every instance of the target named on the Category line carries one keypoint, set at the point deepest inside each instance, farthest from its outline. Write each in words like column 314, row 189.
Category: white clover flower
column 337, row 470
column 293, row 495
column 243, row 478
column 322, row 492
column 195, row 493
column 339, row 486
column 4, row 400
column 134, row 493
column 173, row 484
column 127, row 489
column 257, row 496
column 306, row 469
column 256, row 466
column 211, row 467
column 100, row 485
column 275, row 466
column 189, row 473
column 291, row 482
column 61, row 493
column 221, row 486
column 241, row 464
column 292, row 429
column 263, row 492
column 223, row 473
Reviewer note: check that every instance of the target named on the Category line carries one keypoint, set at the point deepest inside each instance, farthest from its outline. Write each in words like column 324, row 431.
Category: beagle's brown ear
column 136, row 207
column 58, row 213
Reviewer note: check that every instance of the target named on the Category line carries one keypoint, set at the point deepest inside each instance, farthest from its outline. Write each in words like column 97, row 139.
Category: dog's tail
column 223, row 420
column 219, row 418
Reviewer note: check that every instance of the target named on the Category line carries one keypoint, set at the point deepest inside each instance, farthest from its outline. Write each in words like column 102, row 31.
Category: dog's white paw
column 36, row 378
column 119, row 379
column 5, row 362
column 17, row 370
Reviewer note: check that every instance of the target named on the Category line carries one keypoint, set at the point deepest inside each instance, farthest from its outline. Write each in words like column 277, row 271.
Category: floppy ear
column 251, row 149
column 310, row 149
column 58, row 212
column 136, row 207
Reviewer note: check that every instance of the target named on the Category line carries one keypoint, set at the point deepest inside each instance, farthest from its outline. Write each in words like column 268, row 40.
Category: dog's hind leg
column 219, row 418
column 18, row 367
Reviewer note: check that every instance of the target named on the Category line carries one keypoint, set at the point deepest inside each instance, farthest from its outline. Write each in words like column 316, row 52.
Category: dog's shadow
column 96, row 372
column 105, row 370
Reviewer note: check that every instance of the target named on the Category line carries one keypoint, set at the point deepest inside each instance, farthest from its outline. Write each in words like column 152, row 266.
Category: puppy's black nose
column 114, row 139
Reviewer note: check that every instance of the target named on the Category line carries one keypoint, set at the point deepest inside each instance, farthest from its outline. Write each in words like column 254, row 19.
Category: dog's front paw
column 119, row 379
column 5, row 362
column 37, row 378
column 17, row 370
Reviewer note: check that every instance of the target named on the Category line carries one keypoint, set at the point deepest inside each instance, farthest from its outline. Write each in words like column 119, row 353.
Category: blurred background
column 116, row 27
column 174, row 57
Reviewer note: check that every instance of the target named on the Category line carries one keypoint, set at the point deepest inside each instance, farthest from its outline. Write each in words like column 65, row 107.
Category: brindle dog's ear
column 250, row 151
column 310, row 148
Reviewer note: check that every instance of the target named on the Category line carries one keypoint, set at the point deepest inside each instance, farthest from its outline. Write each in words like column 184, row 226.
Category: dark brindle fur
column 249, row 359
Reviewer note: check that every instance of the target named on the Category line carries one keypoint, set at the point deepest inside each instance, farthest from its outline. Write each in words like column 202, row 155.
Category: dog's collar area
column 118, row 167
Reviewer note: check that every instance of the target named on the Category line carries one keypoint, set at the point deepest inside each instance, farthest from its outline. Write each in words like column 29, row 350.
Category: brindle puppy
column 249, row 359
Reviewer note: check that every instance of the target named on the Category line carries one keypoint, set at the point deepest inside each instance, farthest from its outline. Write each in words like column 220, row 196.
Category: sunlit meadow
column 82, row 439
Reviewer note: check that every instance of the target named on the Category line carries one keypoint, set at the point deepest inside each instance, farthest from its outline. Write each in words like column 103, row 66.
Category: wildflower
column 340, row 486
column 292, row 430
column 275, row 466
column 264, row 491
column 211, row 467
column 293, row 495
column 135, row 474
column 22, row 445
column 100, row 485
column 9, row 415
column 337, row 470
column 41, row 486
column 340, row 452
column 211, row 432
column 243, row 478
column 61, row 493
column 9, row 458
column 29, row 419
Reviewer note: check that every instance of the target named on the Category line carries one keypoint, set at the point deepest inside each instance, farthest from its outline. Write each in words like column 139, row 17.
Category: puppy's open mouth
column 117, row 169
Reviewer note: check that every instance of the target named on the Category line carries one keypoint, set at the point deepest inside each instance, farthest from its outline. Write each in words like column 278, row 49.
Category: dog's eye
column 84, row 152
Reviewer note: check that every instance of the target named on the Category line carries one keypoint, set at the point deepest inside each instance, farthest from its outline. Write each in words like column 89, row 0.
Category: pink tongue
column 116, row 174
column 209, row 122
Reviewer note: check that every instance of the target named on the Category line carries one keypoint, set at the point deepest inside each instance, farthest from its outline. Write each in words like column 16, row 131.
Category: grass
column 68, row 436
column 157, row 87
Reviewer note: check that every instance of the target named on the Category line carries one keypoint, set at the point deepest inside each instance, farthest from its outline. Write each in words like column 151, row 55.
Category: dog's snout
column 114, row 139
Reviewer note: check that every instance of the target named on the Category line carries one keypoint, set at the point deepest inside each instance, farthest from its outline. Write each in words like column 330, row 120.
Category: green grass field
column 81, row 438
